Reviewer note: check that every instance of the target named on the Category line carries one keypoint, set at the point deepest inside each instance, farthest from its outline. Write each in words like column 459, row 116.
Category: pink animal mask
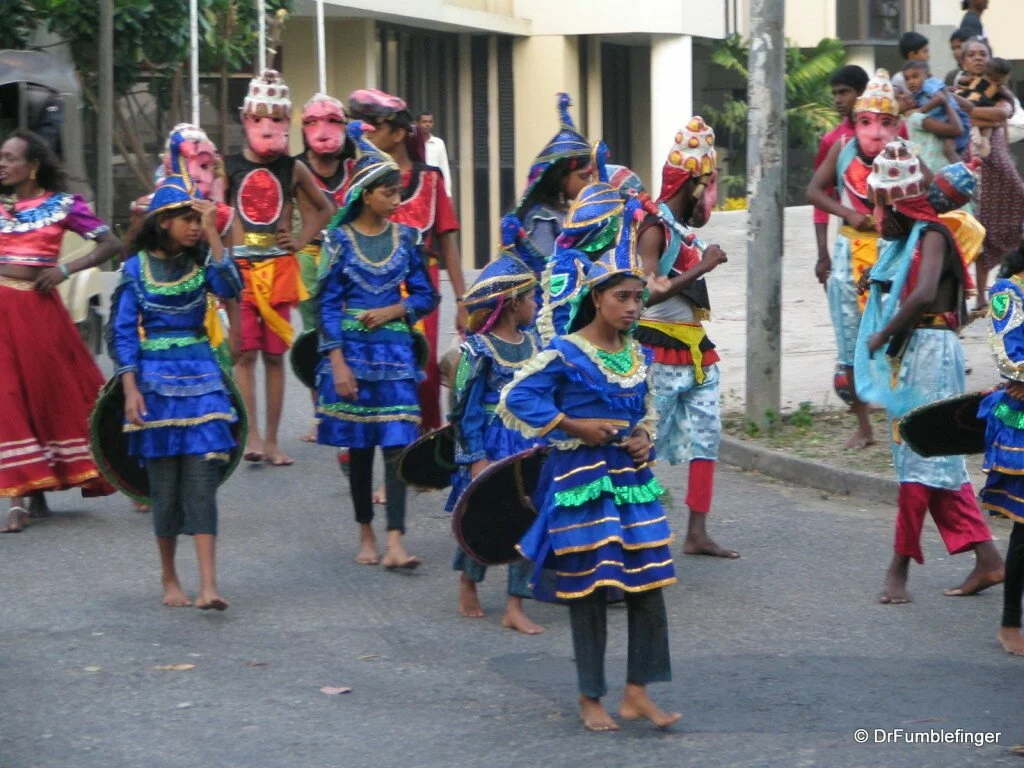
column 267, row 136
column 323, row 125
column 874, row 130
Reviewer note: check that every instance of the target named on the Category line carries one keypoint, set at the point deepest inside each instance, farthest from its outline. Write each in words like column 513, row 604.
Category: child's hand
column 134, row 406
column 285, row 241
column 235, row 344
column 593, row 432
column 1015, row 390
column 864, row 283
column 375, row 318
column 638, row 446
column 207, row 211
column 345, row 382
column 477, row 467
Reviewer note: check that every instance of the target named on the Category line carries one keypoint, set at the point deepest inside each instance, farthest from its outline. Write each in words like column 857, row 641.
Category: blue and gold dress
column 362, row 272
column 1004, row 432
column 157, row 332
column 600, row 521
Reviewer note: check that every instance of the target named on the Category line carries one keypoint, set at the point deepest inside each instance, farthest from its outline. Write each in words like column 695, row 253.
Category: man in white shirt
column 436, row 151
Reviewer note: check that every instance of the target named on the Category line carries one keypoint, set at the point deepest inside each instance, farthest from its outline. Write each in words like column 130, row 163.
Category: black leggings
column 183, row 490
column 1013, row 587
column 360, row 478
column 647, row 658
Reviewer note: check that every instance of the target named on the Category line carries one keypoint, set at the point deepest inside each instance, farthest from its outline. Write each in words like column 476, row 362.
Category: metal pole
column 193, row 10
column 261, row 21
column 321, row 48
column 766, row 184
column 105, row 114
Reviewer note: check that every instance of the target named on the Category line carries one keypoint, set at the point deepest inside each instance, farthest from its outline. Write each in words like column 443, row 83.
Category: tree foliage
column 20, row 18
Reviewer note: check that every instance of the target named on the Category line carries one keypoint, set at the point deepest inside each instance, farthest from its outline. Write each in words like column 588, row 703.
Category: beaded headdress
column 502, row 278
column 878, row 96
column 174, row 191
column 371, row 164
column 592, row 222
column 693, row 154
column 625, row 179
column 895, row 174
column 568, row 143
column 267, row 96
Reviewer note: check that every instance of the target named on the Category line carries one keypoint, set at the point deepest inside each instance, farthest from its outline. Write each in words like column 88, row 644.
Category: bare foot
column 895, row 592
column 595, row 717
column 140, row 507
column 637, row 704
column 515, row 618
column 278, row 458
column 174, row 595
column 397, row 557
column 211, row 602
column 860, row 440
column 380, row 496
column 705, row 545
column 977, row 581
column 17, row 519
column 1012, row 640
column 469, row 601
column 37, row 506
column 311, row 436
column 367, row 546
column 253, row 449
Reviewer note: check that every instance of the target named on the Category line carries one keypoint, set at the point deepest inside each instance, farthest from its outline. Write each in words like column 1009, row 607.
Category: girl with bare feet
column 178, row 410
column 600, row 523
column 48, row 379
column 368, row 379
column 501, row 341
column 908, row 355
column 1004, row 438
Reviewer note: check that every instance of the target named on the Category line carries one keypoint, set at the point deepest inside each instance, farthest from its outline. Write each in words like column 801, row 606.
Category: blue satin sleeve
column 468, row 414
column 423, row 298
column 125, row 346
column 528, row 402
column 222, row 277
column 331, row 295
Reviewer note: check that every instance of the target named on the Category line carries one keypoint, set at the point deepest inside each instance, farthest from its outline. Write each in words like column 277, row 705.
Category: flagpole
column 261, row 13
column 321, row 45
column 193, row 10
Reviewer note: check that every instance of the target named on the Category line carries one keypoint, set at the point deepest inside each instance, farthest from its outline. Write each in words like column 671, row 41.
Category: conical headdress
column 568, row 143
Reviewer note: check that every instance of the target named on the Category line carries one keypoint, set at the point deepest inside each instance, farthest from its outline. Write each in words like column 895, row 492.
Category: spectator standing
column 971, row 22
column 434, row 148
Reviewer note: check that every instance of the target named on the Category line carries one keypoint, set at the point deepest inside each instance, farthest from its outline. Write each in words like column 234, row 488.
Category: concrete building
column 489, row 69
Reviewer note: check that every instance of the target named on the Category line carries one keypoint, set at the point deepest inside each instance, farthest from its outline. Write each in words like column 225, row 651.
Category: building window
column 878, row 21
column 479, row 54
column 506, row 124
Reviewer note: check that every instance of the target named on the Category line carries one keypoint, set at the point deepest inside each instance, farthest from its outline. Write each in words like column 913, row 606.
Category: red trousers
column 956, row 515
column 430, row 387
column 701, row 486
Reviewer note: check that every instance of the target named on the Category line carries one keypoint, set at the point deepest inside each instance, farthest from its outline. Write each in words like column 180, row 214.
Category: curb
column 807, row 472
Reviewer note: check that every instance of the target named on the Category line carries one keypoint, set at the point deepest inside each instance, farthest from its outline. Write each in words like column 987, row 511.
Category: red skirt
column 48, row 386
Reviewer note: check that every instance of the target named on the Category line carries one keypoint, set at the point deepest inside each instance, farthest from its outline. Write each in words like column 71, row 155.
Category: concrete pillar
column 671, row 96
column 466, row 186
column 542, row 66
column 595, row 102
column 863, row 56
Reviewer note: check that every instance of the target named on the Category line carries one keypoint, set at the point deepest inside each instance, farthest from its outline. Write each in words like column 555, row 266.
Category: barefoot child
column 501, row 341
column 368, row 381
column 908, row 355
column 600, row 523
column 178, row 412
column 1004, row 438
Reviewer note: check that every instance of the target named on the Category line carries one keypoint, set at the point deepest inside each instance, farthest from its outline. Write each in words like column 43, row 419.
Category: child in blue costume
column 600, row 523
column 1004, row 438
column 501, row 340
column 178, row 411
column 367, row 382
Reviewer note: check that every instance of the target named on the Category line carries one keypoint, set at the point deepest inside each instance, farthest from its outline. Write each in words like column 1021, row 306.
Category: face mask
column 201, row 168
column 323, row 125
column 874, row 131
column 267, row 138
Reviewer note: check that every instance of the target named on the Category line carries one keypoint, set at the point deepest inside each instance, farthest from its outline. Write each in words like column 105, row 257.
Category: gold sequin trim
column 619, row 563
column 191, row 422
column 615, row 583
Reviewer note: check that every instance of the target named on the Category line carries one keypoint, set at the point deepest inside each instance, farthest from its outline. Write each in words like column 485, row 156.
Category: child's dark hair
column 549, row 187
column 960, row 36
column 1012, row 263
column 852, row 76
column 152, row 237
column 389, row 179
column 912, row 42
column 999, row 66
column 917, row 64
column 588, row 311
column 50, row 175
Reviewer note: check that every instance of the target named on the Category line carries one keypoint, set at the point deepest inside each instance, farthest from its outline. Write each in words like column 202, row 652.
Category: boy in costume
column 262, row 182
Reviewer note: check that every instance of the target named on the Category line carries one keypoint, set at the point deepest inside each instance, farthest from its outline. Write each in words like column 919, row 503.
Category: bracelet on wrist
column 64, row 271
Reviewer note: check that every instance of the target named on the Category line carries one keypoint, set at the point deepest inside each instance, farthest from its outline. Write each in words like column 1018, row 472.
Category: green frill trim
column 354, row 325
column 1009, row 416
column 171, row 342
column 192, row 282
column 344, row 407
column 629, row 494
column 620, row 362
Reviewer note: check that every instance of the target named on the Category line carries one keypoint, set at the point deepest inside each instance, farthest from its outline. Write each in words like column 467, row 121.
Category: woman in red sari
column 48, row 380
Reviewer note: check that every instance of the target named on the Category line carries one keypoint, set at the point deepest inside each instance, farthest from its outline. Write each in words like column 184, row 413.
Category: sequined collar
column 190, row 281
column 527, row 339
column 53, row 209
column 625, row 368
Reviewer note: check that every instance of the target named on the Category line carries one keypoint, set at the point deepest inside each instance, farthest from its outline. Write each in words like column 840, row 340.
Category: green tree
column 151, row 53
column 20, row 19
column 809, row 110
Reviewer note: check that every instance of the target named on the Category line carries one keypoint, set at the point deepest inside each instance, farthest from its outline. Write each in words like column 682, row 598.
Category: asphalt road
column 778, row 657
